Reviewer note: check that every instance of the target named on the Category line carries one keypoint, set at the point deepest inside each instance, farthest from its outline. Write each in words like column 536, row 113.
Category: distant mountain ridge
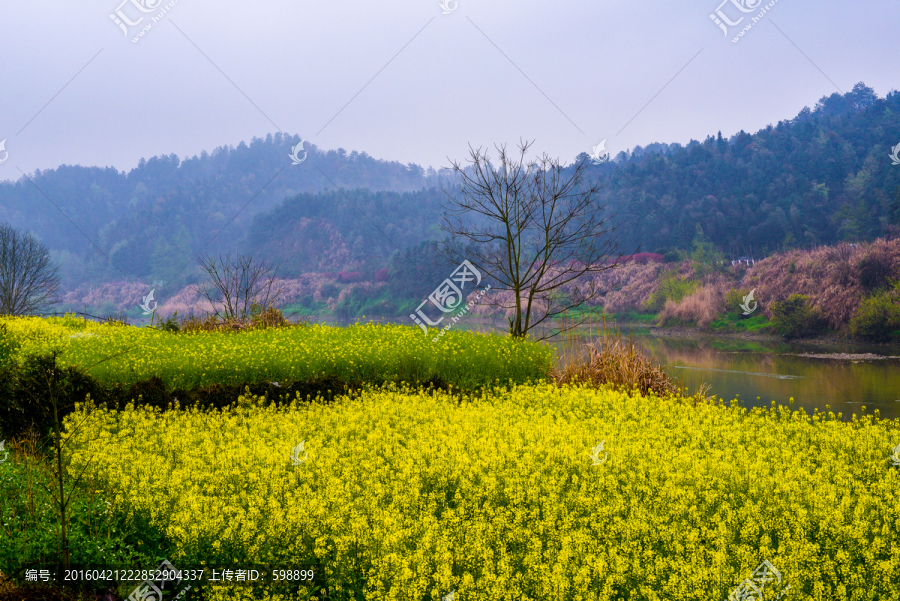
column 144, row 218
column 820, row 178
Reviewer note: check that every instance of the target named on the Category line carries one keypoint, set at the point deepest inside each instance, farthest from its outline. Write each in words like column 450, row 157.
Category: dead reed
column 612, row 360
column 269, row 317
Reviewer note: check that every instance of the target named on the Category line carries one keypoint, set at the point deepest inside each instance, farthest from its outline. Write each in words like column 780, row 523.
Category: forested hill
column 155, row 215
column 819, row 178
column 822, row 177
column 352, row 230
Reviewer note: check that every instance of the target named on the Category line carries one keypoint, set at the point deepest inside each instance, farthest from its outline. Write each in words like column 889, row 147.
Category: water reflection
column 758, row 373
column 748, row 373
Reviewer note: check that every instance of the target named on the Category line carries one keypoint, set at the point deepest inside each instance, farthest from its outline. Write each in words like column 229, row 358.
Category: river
column 758, row 372
column 840, row 378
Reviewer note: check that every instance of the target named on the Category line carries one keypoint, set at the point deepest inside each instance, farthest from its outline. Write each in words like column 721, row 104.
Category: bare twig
column 536, row 230
column 29, row 281
column 237, row 284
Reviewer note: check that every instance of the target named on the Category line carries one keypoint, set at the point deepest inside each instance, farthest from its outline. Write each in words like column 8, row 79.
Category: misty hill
column 353, row 230
column 819, row 178
column 164, row 210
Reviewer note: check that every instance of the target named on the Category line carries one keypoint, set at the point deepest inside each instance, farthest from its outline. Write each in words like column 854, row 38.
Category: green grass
column 99, row 534
column 314, row 309
column 736, row 322
column 635, row 317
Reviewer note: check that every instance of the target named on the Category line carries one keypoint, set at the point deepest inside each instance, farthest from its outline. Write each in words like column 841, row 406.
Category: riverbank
column 828, row 294
column 846, row 377
column 887, row 350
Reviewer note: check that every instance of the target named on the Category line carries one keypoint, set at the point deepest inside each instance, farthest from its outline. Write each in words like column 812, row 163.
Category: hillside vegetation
column 819, row 178
column 852, row 288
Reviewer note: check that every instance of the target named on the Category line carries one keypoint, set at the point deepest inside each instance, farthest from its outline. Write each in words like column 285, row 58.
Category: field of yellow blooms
column 368, row 353
column 510, row 495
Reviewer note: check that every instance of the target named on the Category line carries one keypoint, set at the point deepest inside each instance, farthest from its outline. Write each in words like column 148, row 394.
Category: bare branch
column 29, row 281
column 237, row 284
column 535, row 228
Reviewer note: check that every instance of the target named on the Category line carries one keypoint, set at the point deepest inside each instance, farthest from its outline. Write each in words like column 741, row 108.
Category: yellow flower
column 496, row 496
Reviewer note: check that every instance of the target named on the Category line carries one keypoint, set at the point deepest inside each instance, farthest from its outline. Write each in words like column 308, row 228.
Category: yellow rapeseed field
column 510, row 495
column 364, row 353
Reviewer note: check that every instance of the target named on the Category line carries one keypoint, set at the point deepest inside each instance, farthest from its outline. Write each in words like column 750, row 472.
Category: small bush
column 348, row 277
column 701, row 307
column 670, row 288
column 874, row 271
column 170, row 324
column 734, row 298
column 26, row 390
column 795, row 318
column 307, row 301
column 259, row 319
column 878, row 317
column 673, row 256
column 612, row 360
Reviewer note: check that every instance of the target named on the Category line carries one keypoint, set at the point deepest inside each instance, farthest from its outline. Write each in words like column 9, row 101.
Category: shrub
column 352, row 303
column 673, row 256
column 671, row 288
column 874, row 271
column 347, row 277
column 612, row 360
column 834, row 277
column 259, row 318
column 795, row 318
column 28, row 387
column 734, row 298
column 627, row 288
column 169, row 324
column 701, row 307
column 878, row 317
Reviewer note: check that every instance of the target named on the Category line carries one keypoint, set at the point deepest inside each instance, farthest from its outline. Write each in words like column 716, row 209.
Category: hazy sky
column 400, row 80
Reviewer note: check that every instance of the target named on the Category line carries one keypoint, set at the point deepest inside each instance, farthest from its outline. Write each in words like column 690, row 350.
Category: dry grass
column 628, row 288
column 833, row 277
column 613, row 361
column 701, row 307
column 266, row 318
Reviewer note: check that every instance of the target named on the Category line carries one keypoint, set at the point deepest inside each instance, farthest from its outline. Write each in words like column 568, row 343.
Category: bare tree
column 237, row 284
column 536, row 228
column 29, row 281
